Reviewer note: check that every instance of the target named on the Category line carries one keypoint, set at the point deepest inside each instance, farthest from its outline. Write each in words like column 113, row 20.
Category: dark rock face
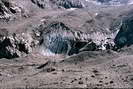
column 56, row 44
column 69, row 3
column 8, row 9
column 58, row 3
column 125, row 35
column 62, row 39
column 15, row 45
column 103, row 1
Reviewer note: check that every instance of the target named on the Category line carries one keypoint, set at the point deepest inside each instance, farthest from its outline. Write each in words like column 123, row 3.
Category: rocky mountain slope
column 65, row 43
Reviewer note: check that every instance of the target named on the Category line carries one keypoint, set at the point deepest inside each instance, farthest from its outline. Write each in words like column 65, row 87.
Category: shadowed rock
column 8, row 9
column 16, row 45
column 62, row 39
column 58, row 3
column 125, row 35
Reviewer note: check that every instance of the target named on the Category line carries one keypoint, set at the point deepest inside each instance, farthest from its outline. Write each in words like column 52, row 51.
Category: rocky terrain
column 66, row 44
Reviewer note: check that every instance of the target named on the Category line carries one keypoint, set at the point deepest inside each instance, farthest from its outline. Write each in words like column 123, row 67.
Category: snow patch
column 71, row 9
column 130, row 2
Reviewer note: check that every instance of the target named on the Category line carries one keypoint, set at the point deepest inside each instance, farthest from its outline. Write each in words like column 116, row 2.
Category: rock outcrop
column 8, row 9
column 125, row 34
column 16, row 45
column 60, row 38
column 58, row 3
